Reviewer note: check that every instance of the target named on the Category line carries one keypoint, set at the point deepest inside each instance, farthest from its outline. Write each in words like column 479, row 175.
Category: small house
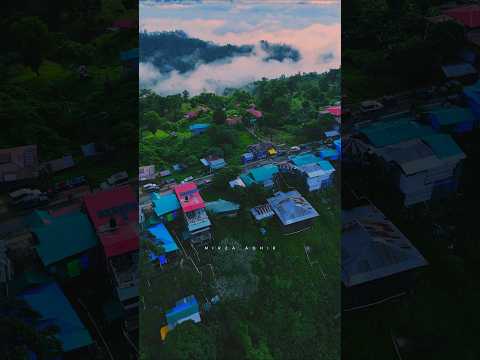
column 146, row 172
column 317, row 176
column 197, row 129
column 222, row 208
column 378, row 261
column 254, row 112
column 165, row 206
column 293, row 210
column 468, row 16
column 262, row 212
column 18, row 163
column 184, row 310
column 166, row 241
column 262, row 175
column 247, row 157
column 453, row 120
column 233, row 120
column 65, row 244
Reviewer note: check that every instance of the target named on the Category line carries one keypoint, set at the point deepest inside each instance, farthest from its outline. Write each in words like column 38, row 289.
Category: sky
column 312, row 27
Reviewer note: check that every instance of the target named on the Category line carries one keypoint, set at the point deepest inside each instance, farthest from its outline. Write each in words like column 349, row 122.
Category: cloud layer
column 313, row 28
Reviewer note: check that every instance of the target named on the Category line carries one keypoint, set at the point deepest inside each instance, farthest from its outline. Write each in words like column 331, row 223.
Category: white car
column 151, row 187
column 190, row 178
column 370, row 105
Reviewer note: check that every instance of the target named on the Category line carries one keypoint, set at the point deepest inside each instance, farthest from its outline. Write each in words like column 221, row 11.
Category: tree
column 20, row 334
column 219, row 117
column 152, row 121
column 190, row 341
column 33, row 41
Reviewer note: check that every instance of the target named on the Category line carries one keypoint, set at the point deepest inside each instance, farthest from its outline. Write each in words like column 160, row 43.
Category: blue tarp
column 164, row 204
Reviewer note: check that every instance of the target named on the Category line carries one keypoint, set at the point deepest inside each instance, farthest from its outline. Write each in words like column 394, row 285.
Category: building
column 377, row 259
column 257, row 114
column 166, row 206
column 184, row 310
column 63, row 163
column 262, row 175
column 196, row 218
column 6, row 269
column 453, row 120
column 214, row 163
column 261, row 150
column 54, row 308
column 65, row 244
column 262, row 212
column 18, row 163
column 233, row 120
column 164, row 239
column 247, row 157
column 318, row 176
column 197, row 129
column 114, row 214
column 472, row 93
column 222, row 207
column 293, row 210
column 146, row 173
column 463, row 72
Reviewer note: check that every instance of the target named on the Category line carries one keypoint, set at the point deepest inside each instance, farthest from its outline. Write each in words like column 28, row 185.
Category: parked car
column 187, row 179
column 370, row 105
column 151, row 187
column 295, row 149
column 17, row 196
column 118, row 178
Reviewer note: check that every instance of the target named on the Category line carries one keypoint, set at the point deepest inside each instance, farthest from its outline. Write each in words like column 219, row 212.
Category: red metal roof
column 119, row 203
column 121, row 241
column 189, row 197
column 335, row 110
column 467, row 15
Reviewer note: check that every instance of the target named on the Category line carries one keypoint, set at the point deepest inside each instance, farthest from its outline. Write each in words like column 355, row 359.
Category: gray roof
column 373, row 247
column 291, row 207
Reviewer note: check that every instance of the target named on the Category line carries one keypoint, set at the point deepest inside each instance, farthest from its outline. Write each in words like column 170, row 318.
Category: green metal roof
column 442, row 145
column 393, row 132
column 221, row 206
column 63, row 237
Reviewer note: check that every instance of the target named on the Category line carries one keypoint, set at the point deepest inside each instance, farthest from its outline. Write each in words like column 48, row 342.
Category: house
column 54, row 308
column 114, row 214
column 18, row 163
column 236, row 182
column 317, row 176
column 247, row 157
column 233, row 120
column 165, row 173
column 184, row 310
column 329, row 154
column 166, row 206
column 63, row 163
column 166, row 241
column 468, row 15
column 196, row 218
column 463, row 72
column 254, row 112
column 377, row 259
column 335, row 110
column 65, row 244
column 331, row 134
column 423, row 169
column 146, row 172
column 214, row 163
column 262, row 175
column 197, row 129
column 262, row 212
column 293, row 210
column 191, row 115
column 222, row 208
column 454, row 120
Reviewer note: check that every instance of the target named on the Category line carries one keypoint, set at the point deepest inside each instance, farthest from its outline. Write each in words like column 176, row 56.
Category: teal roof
column 163, row 236
column 442, row 145
column 325, row 165
column 305, row 159
column 164, row 204
column 393, row 132
column 37, row 218
column 454, row 115
column 221, row 206
column 184, row 308
column 63, row 237
column 247, row 179
column 55, row 309
column 263, row 173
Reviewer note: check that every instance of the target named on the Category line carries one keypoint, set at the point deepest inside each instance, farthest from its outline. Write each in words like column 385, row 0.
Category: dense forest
column 62, row 79
column 175, row 50
column 290, row 107
column 388, row 45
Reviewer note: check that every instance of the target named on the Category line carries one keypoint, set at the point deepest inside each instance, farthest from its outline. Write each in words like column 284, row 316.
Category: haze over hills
column 175, row 50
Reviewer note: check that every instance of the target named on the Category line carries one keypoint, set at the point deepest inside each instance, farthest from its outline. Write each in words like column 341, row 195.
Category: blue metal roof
column 199, row 126
column 163, row 237
column 263, row 173
column 54, row 308
column 164, row 204
column 305, row 159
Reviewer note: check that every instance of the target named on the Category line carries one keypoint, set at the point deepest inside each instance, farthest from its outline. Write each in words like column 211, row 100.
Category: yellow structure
column 272, row 152
column 163, row 332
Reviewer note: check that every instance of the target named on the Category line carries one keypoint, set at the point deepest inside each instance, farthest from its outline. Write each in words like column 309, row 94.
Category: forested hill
column 175, row 50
